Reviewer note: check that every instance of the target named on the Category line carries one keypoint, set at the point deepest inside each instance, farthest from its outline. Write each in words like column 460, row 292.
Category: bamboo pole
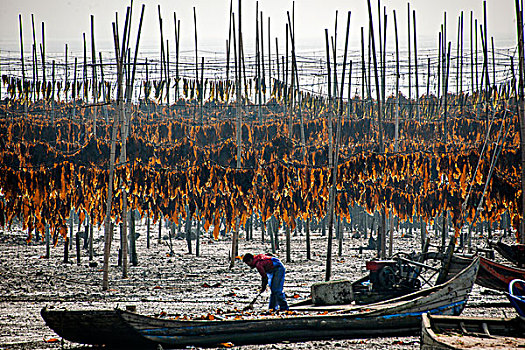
column 363, row 66
column 199, row 84
column 43, row 54
column 74, row 89
column 65, row 72
column 261, row 61
column 471, row 55
column 258, row 64
column 445, row 95
column 167, row 74
column 53, row 104
column 299, row 102
column 94, row 76
column 294, row 65
column 457, row 54
column 493, row 63
column 409, row 64
column 334, row 54
column 235, row 236
column 228, row 45
column 329, row 114
column 332, row 192
column 123, row 134
column 396, row 127
column 162, row 52
column 108, row 230
column 277, row 59
column 444, row 54
column 269, row 58
column 380, row 31
column 349, row 100
column 105, row 93
column 485, row 49
column 379, row 117
column 177, row 53
column 476, row 52
column 132, row 80
column 521, row 111
column 383, row 60
column 23, row 63
column 428, row 81
column 378, row 91
column 440, row 47
column 84, row 75
column 461, row 66
column 416, row 66
column 35, row 60
column 286, row 91
column 201, row 95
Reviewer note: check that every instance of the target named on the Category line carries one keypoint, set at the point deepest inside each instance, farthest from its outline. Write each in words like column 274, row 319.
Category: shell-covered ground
column 182, row 284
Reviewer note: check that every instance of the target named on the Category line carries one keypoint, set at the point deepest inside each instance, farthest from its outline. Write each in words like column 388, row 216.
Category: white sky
column 66, row 20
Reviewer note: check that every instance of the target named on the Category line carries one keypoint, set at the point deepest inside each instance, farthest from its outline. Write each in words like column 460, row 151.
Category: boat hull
column 454, row 332
column 94, row 327
column 398, row 316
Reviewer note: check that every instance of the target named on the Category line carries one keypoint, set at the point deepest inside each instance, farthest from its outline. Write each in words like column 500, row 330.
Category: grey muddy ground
column 180, row 285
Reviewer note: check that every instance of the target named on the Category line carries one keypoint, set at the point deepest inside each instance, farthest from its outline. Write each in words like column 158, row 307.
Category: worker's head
column 248, row 259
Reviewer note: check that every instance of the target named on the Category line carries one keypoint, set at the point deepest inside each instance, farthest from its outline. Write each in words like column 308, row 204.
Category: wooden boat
column 455, row 332
column 515, row 253
column 94, row 327
column 491, row 274
column 398, row 316
column 517, row 296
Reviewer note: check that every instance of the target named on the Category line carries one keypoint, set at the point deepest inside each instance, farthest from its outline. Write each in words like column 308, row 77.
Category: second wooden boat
column 514, row 253
column 491, row 273
column 456, row 332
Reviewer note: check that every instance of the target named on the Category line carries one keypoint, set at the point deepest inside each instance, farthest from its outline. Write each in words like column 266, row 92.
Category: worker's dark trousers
column 276, row 282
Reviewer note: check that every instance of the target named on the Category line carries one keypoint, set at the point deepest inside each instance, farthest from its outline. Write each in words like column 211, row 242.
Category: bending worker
column 272, row 273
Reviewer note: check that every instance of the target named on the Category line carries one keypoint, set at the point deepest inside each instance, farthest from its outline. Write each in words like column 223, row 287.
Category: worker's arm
column 264, row 277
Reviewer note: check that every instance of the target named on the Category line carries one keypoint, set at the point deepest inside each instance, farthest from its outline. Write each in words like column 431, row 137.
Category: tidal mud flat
column 183, row 285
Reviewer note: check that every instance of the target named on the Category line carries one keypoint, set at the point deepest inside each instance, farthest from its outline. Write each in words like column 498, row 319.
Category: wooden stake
column 199, row 84
column 409, row 64
column 471, row 56
column 363, row 66
column 131, row 83
column 43, row 54
column 235, row 235
column 94, row 76
column 261, row 62
column 269, row 59
column 108, row 231
column 329, row 114
column 396, row 128
column 521, row 111
column 177, row 51
column 415, row 66
column 485, row 50
column 445, row 95
column 35, row 60
column 332, row 193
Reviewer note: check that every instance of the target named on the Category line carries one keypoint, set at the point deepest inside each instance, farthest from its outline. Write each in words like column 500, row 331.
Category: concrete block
column 332, row 292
